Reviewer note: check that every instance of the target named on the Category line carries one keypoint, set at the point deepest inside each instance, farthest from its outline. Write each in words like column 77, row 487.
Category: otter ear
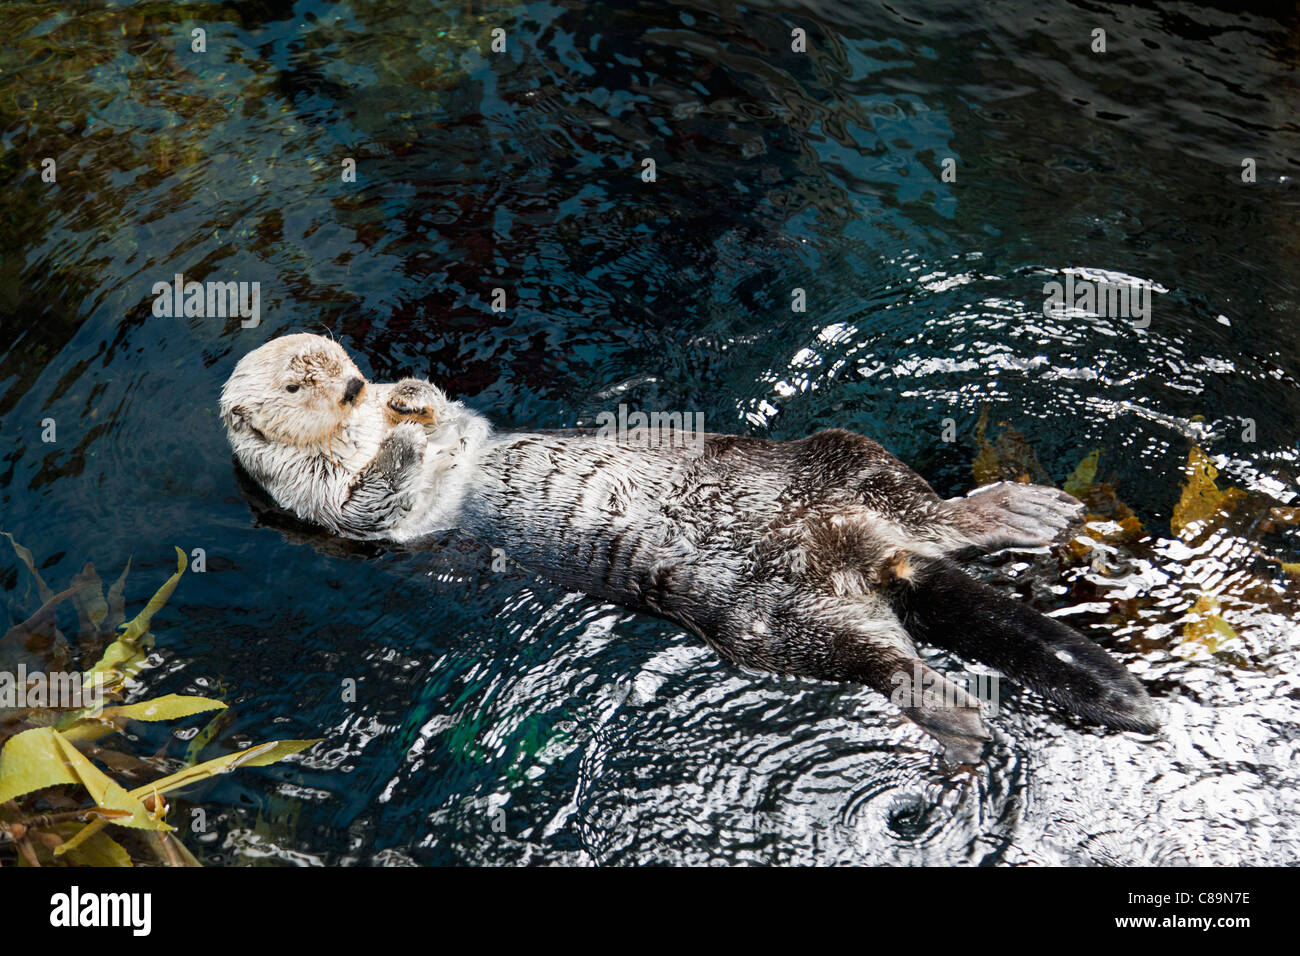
column 236, row 417
column 239, row 419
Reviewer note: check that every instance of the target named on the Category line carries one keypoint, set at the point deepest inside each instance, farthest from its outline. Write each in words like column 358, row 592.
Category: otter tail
column 943, row 606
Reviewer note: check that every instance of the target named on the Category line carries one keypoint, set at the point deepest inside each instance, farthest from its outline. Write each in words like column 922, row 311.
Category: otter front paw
column 385, row 491
column 400, row 452
column 414, row 400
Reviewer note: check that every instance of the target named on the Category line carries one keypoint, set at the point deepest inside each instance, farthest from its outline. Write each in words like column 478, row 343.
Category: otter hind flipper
column 864, row 643
column 943, row 709
column 942, row 605
column 1013, row 515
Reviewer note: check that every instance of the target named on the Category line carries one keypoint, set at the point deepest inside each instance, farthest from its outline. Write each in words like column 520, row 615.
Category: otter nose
column 355, row 385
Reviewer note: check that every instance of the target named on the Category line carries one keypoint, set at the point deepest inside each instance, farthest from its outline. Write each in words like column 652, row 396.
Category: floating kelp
column 1180, row 591
column 1008, row 458
column 1109, row 519
column 56, row 801
column 1205, row 626
column 1202, row 501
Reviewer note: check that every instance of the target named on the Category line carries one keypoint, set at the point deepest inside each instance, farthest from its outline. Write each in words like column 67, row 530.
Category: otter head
column 294, row 390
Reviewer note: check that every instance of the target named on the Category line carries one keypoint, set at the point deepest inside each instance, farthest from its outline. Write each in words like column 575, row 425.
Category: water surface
column 499, row 720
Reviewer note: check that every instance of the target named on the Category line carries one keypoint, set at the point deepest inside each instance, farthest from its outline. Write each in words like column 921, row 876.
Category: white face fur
column 294, row 390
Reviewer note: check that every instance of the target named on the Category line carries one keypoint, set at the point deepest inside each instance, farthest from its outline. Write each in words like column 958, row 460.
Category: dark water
column 500, row 721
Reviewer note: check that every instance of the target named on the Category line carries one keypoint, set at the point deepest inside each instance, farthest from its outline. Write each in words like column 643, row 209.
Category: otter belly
column 593, row 514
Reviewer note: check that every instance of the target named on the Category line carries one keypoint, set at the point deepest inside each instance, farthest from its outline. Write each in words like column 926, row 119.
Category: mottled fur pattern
column 813, row 557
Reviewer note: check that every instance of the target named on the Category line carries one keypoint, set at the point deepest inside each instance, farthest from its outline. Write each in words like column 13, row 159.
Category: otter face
column 294, row 390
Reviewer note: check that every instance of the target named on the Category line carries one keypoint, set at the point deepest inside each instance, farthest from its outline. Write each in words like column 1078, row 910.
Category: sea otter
column 822, row 557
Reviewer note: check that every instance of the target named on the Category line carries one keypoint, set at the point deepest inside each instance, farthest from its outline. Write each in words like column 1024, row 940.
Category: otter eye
column 291, row 388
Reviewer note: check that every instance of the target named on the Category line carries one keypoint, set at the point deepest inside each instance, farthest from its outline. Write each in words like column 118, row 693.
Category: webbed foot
column 1011, row 515
column 943, row 709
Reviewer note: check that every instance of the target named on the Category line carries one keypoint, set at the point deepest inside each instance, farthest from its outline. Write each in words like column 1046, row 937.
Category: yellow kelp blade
column 256, row 756
column 206, row 735
column 1207, row 627
column 84, row 726
column 1007, row 458
column 1201, row 499
column 1109, row 519
column 41, row 757
column 87, row 834
column 985, row 468
column 116, row 602
column 123, row 657
column 31, row 761
column 92, row 608
column 1084, row 475
column 98, row 849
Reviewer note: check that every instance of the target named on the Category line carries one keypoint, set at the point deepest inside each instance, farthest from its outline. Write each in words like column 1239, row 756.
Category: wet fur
column 822, row 557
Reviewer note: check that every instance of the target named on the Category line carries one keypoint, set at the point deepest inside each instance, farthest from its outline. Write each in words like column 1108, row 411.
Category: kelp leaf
column 124, row 655
column 256, row 756
column 85, row 726
column 84, row 835
column 34, row 626
column 26, row 558
column 31, row 761
column 1206, row 627
column 121, row 659
column 167, row 707
column 92, row 609
column 1084, row 475
column 1201, row 499
column 140, row 623
column 41, row 757
column 100, row 849
column 1009, row 458
column 985, row 468
column 116, row 602
column 106, row 792
column 205, row 736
